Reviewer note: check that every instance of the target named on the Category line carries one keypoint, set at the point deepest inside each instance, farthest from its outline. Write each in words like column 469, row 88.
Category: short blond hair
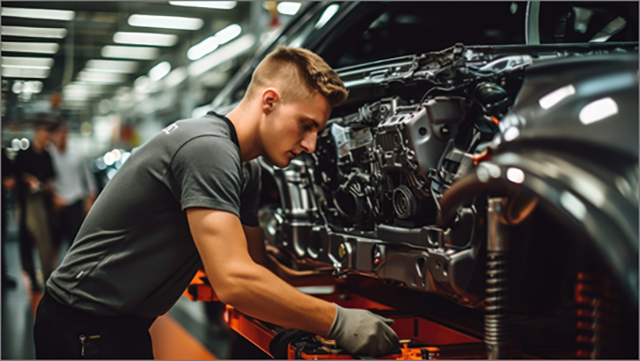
column 297, row 73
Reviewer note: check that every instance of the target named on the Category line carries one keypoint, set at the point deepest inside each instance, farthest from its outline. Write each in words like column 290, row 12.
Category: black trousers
column 62, row 332
column 67, row 222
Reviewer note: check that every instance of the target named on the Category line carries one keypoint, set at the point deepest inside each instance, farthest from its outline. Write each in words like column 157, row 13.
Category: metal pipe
column 496, row 318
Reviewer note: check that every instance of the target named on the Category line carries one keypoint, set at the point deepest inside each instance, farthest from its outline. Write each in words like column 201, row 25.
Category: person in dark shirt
column 34, row 175
column 8, row 182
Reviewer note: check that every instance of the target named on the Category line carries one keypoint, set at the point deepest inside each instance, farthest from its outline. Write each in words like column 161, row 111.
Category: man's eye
column 306, row 127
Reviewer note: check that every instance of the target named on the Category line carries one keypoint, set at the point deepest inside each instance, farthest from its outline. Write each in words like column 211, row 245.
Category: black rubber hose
column 464, row 190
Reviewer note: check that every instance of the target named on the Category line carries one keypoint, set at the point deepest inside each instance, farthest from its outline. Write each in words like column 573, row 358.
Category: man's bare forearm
column 261, row 294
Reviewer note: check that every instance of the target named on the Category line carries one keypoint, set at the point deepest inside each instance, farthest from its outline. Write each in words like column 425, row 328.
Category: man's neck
column 246, row 121
column 37, row 148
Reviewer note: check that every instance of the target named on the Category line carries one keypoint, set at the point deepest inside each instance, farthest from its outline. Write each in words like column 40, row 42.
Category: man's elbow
column 228, row 295
column 230, row 288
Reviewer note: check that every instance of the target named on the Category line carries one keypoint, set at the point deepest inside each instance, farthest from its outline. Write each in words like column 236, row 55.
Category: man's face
column 59, row 138
column 41, row 136
column 292, row 128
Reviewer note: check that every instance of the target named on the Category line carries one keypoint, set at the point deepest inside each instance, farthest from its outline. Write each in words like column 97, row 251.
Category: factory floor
column 184, row 333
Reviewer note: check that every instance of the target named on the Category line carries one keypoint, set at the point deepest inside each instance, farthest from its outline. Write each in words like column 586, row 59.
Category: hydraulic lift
column 420, row 338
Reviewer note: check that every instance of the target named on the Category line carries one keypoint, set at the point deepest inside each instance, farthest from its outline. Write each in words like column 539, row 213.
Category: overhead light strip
column 289, row 8
column 10, row 72
column 114, row 66
column 25, row 66
column 222, row 5
column 29, row 32
column 104, row 78
column 47, row 14
column 211, row 43
column 145, row 39
column 24, row 61
column 38, row 48
column 227, row 52
column 165, row 22
column 129, row 52
column 159, row 71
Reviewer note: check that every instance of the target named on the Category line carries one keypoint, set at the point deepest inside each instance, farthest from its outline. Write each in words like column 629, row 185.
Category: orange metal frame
column 408, row 327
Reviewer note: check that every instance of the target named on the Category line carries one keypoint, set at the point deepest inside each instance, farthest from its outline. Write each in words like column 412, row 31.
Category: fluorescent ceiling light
column 288, row 8
column 556, row 96
column 176, row 77
column 202, row 48
column 23, row 62
column 327, row 15
column 159, row 71
column 10, row 72
column 112, row 66
column 229, row 33
column 224, row 5
column 87, row 89
column 104, row 78
column 28, row 32
column 165, row 22
column 39, row 48
column 33, row 87
column 211, row 43
column 129, row 52
column 227, row 52
column 145, row 39
column 598, row 110
column 48, row 14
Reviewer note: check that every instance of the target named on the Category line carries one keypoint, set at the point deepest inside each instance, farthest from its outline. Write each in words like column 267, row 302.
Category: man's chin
column 280, row 163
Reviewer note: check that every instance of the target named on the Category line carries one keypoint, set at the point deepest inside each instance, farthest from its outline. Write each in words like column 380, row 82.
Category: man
column 8, row 182
column 75, row 189
column 176, row 204
column 34, row 176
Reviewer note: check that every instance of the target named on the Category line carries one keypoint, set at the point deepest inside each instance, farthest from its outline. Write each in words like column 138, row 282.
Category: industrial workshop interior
column 474, row 194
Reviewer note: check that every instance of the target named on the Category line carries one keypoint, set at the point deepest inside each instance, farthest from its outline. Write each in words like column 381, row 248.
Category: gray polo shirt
column 134, row 253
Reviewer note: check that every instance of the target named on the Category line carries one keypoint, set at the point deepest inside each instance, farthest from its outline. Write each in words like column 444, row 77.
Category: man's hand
column 362, row 332
column 8, row 182
column 58, row 202
column 32, row 181
column 91, row 199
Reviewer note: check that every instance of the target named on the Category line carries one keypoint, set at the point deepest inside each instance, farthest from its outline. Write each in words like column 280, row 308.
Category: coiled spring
column 597, row 317
column 496, row 319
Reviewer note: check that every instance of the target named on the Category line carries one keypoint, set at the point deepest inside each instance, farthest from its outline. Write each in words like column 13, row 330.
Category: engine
column 378, row 166
column 366, row 201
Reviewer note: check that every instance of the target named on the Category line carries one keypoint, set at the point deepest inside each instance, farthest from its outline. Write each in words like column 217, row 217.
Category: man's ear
column 269, row 99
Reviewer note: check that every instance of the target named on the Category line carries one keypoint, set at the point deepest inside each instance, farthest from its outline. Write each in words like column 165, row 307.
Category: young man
column 176, row 204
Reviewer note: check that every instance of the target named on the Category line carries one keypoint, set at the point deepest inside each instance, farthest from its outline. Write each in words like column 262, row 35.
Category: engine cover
column 414, row 139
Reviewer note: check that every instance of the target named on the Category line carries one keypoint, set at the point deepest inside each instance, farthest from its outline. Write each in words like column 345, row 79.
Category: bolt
column 444, row 130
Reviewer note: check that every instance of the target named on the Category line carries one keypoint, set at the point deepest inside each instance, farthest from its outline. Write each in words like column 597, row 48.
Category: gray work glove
column 362, row 332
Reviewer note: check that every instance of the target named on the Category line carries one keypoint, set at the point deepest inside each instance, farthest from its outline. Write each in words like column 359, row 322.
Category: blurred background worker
column 8, row 183
column 34, row 176
column 74, row 185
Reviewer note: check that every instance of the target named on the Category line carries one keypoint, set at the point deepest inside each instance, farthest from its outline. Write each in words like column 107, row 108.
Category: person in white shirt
column 75, row 188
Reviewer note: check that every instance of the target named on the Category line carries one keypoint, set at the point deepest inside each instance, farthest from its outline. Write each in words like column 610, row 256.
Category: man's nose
column 308, row 142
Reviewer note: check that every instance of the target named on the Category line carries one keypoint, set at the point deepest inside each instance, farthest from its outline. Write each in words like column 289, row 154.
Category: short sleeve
column 250, row 198
column 206, row 171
